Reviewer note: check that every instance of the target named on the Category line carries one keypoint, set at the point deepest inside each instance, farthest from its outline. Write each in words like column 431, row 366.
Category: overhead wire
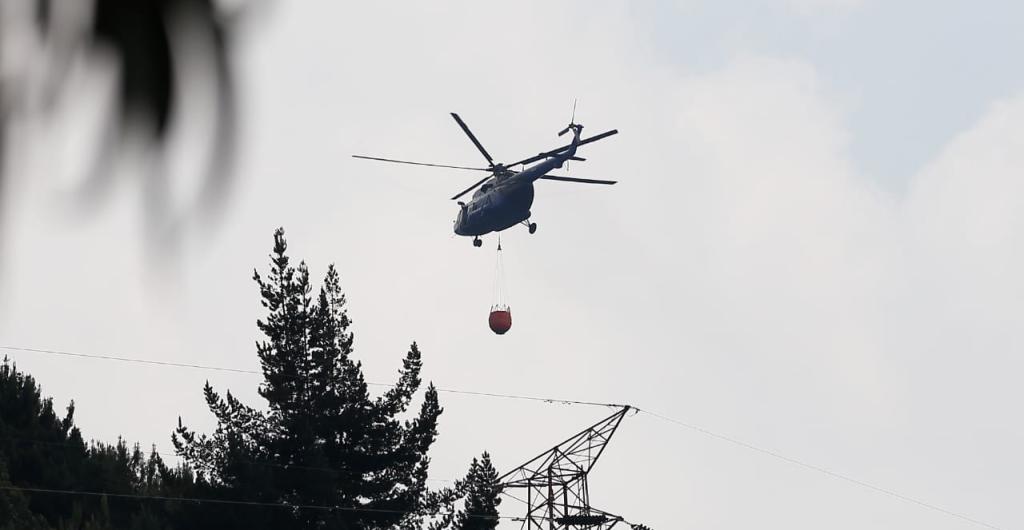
column 30, row 489
column 819, row 469
column 661, row 417
column 509, row 495
column 166, row 455
column 258, row 372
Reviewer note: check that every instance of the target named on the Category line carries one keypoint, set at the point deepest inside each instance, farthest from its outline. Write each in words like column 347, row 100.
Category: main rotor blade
column 574, row 179
column 476, row 142
column 471, row 188
column 418, row 163
column 553, row 152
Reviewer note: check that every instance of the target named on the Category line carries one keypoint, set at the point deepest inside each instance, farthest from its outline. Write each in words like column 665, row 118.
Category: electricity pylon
column 557, row 494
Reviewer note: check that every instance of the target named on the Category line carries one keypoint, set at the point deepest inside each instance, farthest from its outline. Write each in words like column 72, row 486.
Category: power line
column 514, row 497
column 819, row 469
column 690, row 426
column 81, row 493
column 530, row 398
column 257, row 372
column 166, row 455
column 285, row 466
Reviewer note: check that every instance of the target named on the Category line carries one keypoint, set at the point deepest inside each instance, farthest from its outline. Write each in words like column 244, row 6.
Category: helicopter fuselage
column 494, row 208
column 505, row 200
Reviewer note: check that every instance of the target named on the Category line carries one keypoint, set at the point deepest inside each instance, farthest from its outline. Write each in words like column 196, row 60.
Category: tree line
column 321, row 452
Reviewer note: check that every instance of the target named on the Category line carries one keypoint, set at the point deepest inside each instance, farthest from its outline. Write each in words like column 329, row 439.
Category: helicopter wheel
column 532, row 227
column 477, row 242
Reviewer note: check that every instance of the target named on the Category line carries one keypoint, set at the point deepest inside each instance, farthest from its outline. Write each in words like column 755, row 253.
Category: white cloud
column 817, row 7
column 743, row 275
column 822, row 316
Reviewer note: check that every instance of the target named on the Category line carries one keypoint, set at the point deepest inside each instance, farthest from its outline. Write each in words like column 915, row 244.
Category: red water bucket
column 500, row 320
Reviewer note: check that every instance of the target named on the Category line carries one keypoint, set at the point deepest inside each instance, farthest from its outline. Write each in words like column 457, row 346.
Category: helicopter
column 505, row 196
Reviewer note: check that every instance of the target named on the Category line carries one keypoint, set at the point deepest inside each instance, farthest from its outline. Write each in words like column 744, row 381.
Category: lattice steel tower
column 557, row 494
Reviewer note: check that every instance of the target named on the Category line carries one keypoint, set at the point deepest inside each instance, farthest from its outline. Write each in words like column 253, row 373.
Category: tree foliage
column 41, row 450
column 145, row 42
column 320, row 453
column 322, row 440
column 482, row 492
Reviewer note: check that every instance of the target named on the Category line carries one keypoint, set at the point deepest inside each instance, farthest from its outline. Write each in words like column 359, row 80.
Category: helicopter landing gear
column 477, row 242
column 532, row 227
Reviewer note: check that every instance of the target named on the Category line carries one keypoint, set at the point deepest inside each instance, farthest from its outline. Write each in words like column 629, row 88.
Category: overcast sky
column 815, row 245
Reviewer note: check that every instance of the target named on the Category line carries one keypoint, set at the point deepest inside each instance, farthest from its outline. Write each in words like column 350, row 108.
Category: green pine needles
column 319, row 453
column 323, row 440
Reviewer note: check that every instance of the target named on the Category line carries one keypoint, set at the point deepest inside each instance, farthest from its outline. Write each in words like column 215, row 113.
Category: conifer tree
column 322, row 440
column 14, row 511
column 39, row 449
column 482, row 492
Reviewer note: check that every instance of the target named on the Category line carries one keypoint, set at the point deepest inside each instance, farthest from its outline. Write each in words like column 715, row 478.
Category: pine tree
column 483, row 492
column 14, row 511
column 39, row 449
column 322, row 440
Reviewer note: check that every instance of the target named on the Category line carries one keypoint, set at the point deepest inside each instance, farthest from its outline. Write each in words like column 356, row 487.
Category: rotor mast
column 499, row 171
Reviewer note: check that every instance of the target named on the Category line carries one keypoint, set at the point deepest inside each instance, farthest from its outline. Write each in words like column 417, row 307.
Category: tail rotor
column 574, row 127
column 572, row 120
